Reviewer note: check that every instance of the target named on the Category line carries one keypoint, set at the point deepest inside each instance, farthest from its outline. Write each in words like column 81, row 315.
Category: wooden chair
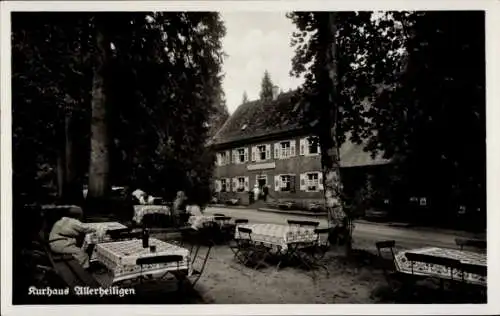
column 164, row 259
column 478, row 270
column 199, row 259
column 242, row 245
column 254, row 253
column 314, row 254
column 452, row 264
column 473, row 243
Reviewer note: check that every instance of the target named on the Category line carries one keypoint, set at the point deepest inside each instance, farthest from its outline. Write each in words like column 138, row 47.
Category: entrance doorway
column 261, row 181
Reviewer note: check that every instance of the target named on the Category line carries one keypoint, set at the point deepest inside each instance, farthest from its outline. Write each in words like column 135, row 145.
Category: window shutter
column 228, row 159
column 302, row 145
column 217, row 185
column 246, row 154
column 268, row 151
column 277, row 151
column 276, row 183
column 233, row 156
column 320, row 181
column 235, row 184
column 319, row 148
column 246, row 184
column 256, row 179
column 293, row 184
column 254, row 149
column 218, row 160
column 292, row 148
column 303, row 186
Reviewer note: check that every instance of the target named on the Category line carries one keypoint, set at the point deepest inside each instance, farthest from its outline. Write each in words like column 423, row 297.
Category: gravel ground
column 227, row 282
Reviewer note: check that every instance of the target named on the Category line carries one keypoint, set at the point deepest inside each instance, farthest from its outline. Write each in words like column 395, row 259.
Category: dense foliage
column 411, row 85
column 162, row 82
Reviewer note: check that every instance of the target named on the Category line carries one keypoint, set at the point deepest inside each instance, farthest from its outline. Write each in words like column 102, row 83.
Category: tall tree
column 343, row 58
column 245, row 98
column 266, row 87
column 99, row 140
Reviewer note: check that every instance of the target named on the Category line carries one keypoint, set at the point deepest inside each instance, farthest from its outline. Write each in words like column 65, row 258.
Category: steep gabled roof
column 257, row 118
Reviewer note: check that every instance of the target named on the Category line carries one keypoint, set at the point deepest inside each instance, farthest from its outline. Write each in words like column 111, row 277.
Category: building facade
column 264, row 144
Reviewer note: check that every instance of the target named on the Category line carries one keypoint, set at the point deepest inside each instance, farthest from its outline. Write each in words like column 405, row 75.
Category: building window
column 223, row 158
column 241, row 184
column 261, row 151
column 313, row 146
column 312, row 181
column 241, row 155
column 223, row 185
column 285, row 181
column 285, row 149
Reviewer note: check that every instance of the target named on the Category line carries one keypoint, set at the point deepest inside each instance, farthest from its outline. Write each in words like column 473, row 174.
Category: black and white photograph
column 201, row 156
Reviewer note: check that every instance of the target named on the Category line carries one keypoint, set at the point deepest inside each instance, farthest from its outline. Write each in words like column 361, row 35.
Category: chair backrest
column 155, row 220
column 293, row 222
column 302, row 223
column 241, row 221
column 386, row 244
column 159, row 259
column 475, row 243
column 245, row 230
column 245, row 233
column 219, row 214
column 475, row 269
column 321, row 232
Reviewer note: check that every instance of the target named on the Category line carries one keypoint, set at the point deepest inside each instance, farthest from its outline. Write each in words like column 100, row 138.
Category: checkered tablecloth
column 433, row 270
column 120, row 257
column 99, row 236
column 198, row 220
column 141, row 210
column 279, row 235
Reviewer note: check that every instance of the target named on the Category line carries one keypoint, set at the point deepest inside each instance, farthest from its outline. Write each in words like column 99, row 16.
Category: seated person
column 140, row 196
column 179, row 207
column 194, row 210
column 65, row 233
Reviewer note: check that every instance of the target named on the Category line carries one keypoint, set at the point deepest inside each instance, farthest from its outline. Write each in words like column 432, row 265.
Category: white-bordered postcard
column 249, row 157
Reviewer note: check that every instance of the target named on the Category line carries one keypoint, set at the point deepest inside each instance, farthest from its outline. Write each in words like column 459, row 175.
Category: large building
column 264, row 143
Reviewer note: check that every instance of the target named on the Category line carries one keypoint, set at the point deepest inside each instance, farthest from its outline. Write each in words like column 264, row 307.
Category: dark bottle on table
column 145, row 238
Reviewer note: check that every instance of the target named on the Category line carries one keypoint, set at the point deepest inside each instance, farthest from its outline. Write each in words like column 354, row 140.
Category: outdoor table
column 120, row 258
column 99, row 236
column 197, row 221
column 432, row 270
column 141, row 210
column 278, row 235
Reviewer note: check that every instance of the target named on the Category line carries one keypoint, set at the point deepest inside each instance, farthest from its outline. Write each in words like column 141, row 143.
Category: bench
column 65, row 267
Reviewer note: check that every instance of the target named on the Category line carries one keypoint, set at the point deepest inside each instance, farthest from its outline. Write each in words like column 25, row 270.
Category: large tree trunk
column 68, row 190
column 328, row 125
column 99, row 140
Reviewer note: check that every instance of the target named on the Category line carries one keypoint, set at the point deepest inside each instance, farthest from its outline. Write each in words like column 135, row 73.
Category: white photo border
column 492, row 9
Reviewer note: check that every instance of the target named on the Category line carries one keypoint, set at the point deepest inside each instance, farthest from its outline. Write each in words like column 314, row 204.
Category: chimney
column 276, row 92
